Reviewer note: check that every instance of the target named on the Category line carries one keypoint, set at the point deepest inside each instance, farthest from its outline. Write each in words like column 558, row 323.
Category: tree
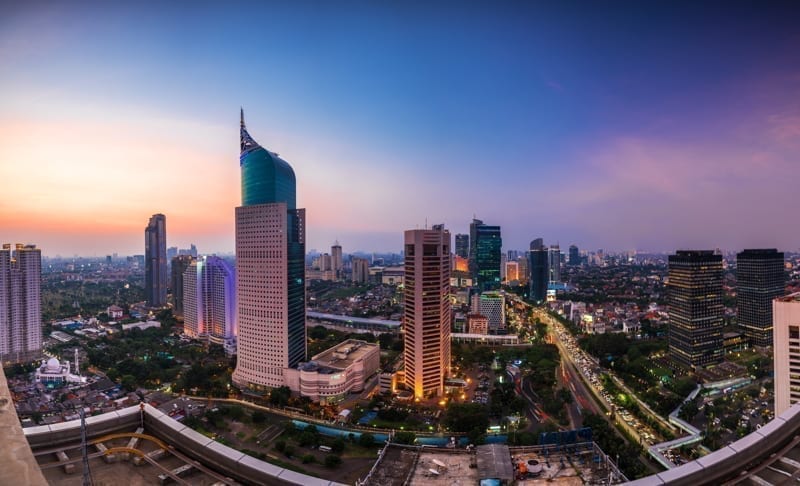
column 332, row 461
column 129, row 382
column 280, row 445
column 288, row 451
column 366, row 440
column 338, row 445
column 688, row 410
column 405, row 437
column 463, row 417
column 280, row 396
column 259, row 417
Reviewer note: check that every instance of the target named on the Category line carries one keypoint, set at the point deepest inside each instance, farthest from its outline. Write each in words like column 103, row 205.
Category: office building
column 360, row 270
column 523, row 273
column 209, row 286
column 336, row 261
column 554, row 264
column 427, row 311
column 539, row 275
column 512, row 271
column 574, row 256
column 786, row 351
column 179, row 265
column 155, row 259
column 493, row 306
column 484, row 256
column 20, row 304
column 695, row 308
column 462, row 246
column 477, row 324
column 270, row 270
column 760, row 279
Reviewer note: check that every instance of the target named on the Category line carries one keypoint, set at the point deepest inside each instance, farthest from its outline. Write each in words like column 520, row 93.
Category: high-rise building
column 786, row 351
column 360, row 270
column 20, row 304
column 427, row 311
column 336, row 260
column 155, row 258
column 554, row 264
column 522, row 264
column 538, row 271
column 484, row 256
column 209, row 286
column 462, row 245
column 512, row 271
column 760, row 279
column 270, row 269
column 179, row 265
column 695, row 308
column 574, row 256
column 493, row 306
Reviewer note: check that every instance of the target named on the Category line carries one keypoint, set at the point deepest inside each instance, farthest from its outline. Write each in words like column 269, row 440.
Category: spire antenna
column 241, row 117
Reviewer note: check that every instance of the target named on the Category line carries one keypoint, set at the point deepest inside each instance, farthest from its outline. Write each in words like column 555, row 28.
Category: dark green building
column 484, row 255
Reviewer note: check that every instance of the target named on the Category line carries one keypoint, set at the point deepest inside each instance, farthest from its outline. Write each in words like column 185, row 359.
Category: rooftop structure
column 330, row 375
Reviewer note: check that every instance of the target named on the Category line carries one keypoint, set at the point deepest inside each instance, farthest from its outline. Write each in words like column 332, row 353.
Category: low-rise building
column 329, row 376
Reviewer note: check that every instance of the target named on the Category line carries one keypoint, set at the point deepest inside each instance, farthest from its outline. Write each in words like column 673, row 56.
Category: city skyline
column 649, row 127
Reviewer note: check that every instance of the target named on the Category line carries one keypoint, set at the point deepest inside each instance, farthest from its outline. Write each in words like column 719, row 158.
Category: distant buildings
column 20, row 304
column 760, row 279
column 786, row 351
column 360, row 270
column 209, row 286
column 493, row 306
column 155, row 257
column 574, row 256
column 554, row 264
column 462, row 246
column 179, row 265
column 512, row 271
column 539, row 276
column 427, row 310
column 270, row 279
column 336, row 261
column 484, row 255
column 695, row 308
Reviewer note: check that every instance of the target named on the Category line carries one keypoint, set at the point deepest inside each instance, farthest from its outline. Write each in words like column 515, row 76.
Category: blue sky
column 621, row 125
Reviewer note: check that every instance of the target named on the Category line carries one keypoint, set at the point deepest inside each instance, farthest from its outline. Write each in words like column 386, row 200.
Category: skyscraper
column 210, row 302
column 760, row 279
column 786, row 352
column 574, row 256
column 20, row 304
column 270, row 278
column 336, row 260
column 695, row 308
column 538, row 271
column 462, row 245
column 554, row 264
column 427, row 312
column 360, row 270
column 179, row 265
column 484, row 256
column 155, row 261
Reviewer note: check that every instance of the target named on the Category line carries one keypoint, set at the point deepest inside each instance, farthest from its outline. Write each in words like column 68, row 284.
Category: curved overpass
column 770, row 455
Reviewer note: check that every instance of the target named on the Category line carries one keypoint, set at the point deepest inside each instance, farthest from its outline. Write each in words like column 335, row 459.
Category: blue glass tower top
column 266, row 178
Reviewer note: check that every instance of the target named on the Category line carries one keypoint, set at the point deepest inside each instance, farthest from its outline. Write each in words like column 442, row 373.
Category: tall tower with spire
column 270, row 278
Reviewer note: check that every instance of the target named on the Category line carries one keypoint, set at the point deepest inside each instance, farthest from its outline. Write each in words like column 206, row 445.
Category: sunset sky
column 617, row 125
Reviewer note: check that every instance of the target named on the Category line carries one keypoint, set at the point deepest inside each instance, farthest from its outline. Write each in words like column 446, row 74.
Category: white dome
column 53, row 364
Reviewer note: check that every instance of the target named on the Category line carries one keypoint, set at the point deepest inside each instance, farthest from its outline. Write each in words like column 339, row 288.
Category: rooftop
column 344, row 354
column 795, row 297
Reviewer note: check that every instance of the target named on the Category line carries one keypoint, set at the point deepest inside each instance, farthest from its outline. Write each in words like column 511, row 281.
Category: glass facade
column 266, row 178
column 484, row 258
column 695, row 308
